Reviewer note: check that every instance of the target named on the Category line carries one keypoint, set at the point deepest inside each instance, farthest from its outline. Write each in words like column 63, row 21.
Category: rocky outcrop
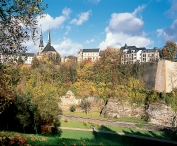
column 161, row 114
column 116, row 108
column 157, row 113
column 69, row 99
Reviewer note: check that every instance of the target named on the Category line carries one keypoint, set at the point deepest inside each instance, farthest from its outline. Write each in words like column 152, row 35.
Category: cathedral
column 48, row 50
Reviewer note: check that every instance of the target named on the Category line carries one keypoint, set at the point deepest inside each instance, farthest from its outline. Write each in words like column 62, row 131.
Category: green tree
column 72, row 108
column 45, row 97
column 85, row 105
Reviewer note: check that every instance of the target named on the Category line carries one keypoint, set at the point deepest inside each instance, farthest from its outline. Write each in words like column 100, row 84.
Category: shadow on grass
column 151, row 138
column 107, row 135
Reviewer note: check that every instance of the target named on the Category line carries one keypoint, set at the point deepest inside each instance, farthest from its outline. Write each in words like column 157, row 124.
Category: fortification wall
column 166, row 76
column 148, row 74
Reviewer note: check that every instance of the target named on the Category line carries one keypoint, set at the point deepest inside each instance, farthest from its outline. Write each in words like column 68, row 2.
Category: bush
column 72, row 108
column 85, row 122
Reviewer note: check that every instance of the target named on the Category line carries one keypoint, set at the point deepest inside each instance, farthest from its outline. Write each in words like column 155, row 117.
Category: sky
column 87, row 24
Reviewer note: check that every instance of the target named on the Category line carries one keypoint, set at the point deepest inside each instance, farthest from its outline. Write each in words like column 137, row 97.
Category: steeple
column 49, row 40
column 41, row 44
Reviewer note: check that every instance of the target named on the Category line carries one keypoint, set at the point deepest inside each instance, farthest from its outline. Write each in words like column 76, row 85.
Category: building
column 132, row 54
column 84, row 54
column 28, row 58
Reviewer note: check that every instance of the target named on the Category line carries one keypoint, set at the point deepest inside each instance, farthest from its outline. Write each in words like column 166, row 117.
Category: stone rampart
column 166, row 76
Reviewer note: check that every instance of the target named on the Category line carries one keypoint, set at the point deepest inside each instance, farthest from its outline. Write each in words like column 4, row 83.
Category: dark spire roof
column 48, row 48
column 41, row 44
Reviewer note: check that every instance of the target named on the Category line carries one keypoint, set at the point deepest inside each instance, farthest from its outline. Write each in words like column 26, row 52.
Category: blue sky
column 83, row 24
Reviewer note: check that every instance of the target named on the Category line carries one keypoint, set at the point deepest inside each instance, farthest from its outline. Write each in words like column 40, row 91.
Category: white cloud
column 66, row 11
column 173, row 9
column 68, row 28
column 51, row 22
column 68, row 47
column 48, row 21
column 125, row 28
column 125, row 22
column 169, row 33
column 139, row 10
column 89, row 41
column 120, row 39
column 94, row 1
column 82, row 17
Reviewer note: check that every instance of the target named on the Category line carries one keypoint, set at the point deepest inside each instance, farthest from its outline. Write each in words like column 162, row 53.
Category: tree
column 169, row 50
column 18, row 22
column 85, row 105
column 6, row 95
column 72, row 108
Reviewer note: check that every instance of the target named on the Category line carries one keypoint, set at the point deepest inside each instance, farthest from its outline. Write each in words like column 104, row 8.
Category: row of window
column 90, row 54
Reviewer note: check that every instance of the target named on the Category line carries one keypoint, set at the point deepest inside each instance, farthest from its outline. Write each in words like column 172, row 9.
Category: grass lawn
column 154, row 134
column 96, row 115
column 83, row 138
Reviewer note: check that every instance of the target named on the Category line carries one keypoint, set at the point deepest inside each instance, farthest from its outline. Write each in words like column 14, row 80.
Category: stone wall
column 148, row 74
column 161, row 75
column 166, row 76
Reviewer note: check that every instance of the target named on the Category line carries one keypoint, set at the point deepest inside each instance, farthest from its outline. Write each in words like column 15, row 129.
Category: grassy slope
column 154, row 134
column 70, row 137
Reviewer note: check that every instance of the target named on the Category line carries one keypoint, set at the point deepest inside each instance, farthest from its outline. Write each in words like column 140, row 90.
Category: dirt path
column 122, row 134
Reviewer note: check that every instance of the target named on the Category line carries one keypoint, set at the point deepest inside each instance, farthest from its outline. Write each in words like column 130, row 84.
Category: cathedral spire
column 41, row 44
column 49, row 39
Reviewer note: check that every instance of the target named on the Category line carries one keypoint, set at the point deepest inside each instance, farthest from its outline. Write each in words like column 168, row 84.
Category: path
column 123, row 134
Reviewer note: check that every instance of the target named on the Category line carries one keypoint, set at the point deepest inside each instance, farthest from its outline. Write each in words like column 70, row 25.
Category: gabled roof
column 29, row 54
column 48, row 48
column 130, row 48
column 91, row 50
column 150, row 50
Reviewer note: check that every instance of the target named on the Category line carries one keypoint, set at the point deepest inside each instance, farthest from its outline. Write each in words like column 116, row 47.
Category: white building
column 84, row 54
column 132, row 54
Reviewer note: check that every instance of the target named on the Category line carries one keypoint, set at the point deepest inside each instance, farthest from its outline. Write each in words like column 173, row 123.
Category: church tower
column 41, row 44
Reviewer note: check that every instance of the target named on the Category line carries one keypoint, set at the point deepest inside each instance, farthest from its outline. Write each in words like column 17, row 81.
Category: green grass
column 96, row 115
column 154, row 134
column 71, row 137
column 75, row 124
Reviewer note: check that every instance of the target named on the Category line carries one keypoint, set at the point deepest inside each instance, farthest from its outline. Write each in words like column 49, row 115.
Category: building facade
column 84, row 54
column 132, row 54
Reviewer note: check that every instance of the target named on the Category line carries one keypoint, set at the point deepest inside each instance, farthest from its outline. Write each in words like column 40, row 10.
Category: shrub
column 65, row 120
column 85, row 122
column 139, row 125
column 72, row 108
column 115, row 117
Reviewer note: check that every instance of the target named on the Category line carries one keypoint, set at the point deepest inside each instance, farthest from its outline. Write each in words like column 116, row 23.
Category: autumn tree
column 169, row 50
column 18, row 22
column 85, row 105
column 6, row 95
